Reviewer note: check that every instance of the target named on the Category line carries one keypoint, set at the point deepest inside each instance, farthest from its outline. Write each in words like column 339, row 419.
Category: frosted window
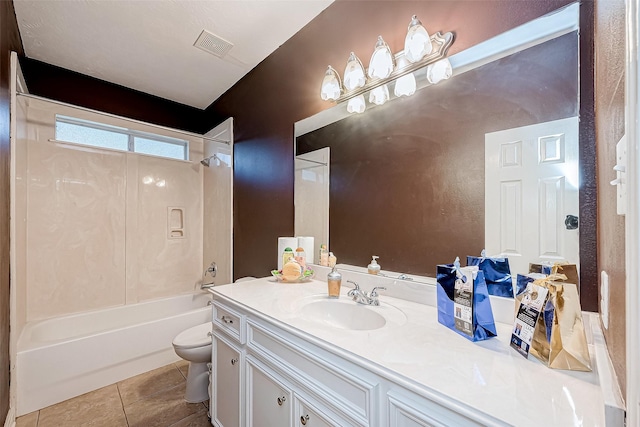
column 90, row 136
column 70, row 129
column 160, row 148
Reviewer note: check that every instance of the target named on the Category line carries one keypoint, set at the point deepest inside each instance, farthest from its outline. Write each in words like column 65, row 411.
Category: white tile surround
column 92, row 223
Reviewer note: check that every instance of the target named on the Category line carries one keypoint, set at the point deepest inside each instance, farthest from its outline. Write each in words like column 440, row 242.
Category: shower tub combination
column 63, row 357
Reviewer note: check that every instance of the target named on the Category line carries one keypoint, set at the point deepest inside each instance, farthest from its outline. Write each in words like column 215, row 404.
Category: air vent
column 213, row 44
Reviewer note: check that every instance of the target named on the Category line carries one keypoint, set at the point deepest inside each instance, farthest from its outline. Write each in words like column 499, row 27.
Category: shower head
column 207, row 161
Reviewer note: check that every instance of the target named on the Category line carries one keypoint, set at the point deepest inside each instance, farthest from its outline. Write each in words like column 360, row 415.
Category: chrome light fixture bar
column 441, row 44
column 421, row 50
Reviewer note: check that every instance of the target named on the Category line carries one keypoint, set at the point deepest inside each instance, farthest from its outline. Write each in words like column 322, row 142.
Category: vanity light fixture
column 421, row 52
column 331, row 86
column 417, row 44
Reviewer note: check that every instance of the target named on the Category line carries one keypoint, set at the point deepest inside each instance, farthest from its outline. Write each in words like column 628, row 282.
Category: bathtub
column 67, row 356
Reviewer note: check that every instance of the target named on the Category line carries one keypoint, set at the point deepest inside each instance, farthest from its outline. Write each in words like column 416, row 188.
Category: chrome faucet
column 361, row 297
column 212, row 271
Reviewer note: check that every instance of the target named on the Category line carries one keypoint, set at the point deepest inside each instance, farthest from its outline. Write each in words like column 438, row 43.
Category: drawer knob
column 304, row 419
column 226, row 320
column 281, row 400
column 234, row 361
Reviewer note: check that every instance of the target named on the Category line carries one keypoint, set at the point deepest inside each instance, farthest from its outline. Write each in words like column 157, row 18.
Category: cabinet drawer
column 353, row 393
column 229, row 321
column 309, row 414
column 409, row 410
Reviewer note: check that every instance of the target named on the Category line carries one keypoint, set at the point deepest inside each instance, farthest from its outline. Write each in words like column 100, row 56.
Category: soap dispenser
column 334, row 280
column 374, row 267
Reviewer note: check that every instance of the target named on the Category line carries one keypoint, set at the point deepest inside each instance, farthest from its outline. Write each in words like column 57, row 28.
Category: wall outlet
column 604, row 298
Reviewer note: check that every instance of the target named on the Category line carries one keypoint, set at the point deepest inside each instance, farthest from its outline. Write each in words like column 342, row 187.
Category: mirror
column 412, row 181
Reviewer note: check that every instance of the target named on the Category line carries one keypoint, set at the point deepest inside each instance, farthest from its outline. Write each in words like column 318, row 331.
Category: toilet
column 194, row 346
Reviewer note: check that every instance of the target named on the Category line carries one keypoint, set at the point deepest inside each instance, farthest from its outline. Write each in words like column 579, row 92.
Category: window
column 85, row 132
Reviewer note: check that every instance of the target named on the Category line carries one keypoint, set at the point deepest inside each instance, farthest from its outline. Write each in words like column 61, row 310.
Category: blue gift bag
column 482, row 325
column 497, row 274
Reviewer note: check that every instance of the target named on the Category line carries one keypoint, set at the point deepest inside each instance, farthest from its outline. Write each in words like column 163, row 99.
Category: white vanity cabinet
column 268, row 375
column 277, row 363
column 265, row 376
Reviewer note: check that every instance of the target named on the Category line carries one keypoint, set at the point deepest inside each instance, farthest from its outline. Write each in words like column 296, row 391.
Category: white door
column 531, row 193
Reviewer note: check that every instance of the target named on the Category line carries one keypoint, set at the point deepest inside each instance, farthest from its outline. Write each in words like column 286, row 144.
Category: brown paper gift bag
column 559, row 339
column 560, row 268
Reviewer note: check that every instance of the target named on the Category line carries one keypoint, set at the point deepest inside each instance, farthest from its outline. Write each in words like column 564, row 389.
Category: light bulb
column 330, row 85
column 354, row 73
column 381, row 64
column 439, row 71
column 417, row 44
column 405, row 85
column 379, row 95
column 356, row 105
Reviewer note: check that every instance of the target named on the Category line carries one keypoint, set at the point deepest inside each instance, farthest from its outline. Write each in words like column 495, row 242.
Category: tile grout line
column 126, row 419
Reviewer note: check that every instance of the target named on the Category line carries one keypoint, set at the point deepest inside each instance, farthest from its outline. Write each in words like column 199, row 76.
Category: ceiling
column 148, row 45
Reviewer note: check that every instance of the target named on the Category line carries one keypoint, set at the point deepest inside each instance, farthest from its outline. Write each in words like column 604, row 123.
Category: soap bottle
column 374, row 267
column 334, row 280
column 287, row 255
column 332, row 260
column 301, row 257
column 324, row 256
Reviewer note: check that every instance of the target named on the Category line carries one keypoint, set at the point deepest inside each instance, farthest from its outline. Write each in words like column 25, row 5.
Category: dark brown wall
column 9, row 40
column 284, row 88
column 610, row 122
column 78, row 89
column 407, row 178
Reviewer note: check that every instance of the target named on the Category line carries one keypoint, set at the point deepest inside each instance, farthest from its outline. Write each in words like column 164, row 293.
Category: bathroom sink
column 343, row 313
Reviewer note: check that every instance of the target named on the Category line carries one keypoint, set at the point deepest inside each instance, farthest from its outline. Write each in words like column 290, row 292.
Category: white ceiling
column 147, row 45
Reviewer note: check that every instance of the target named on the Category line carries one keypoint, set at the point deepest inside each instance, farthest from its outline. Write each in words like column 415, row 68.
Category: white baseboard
column 10, row 421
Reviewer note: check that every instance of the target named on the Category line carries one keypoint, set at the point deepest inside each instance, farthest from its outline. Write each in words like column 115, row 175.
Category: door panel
column 531, row 185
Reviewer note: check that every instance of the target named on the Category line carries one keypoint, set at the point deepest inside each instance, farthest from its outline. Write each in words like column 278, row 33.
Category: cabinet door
column 269, row 399
column 226, row 383
column 307, row 415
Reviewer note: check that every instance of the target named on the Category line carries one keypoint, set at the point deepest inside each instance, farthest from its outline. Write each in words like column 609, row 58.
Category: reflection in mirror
column 408, row 178
column 311, row 196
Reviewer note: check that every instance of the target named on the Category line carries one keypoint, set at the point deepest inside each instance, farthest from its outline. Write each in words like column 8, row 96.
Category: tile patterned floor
column 152, row 399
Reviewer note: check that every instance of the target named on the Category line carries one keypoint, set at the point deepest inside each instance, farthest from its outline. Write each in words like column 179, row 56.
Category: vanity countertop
column 427, row 358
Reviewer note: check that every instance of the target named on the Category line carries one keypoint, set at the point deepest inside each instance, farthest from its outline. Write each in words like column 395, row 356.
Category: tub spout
column 207, row 285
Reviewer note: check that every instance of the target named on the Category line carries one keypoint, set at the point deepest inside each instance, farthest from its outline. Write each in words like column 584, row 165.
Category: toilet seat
column 196, row 336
